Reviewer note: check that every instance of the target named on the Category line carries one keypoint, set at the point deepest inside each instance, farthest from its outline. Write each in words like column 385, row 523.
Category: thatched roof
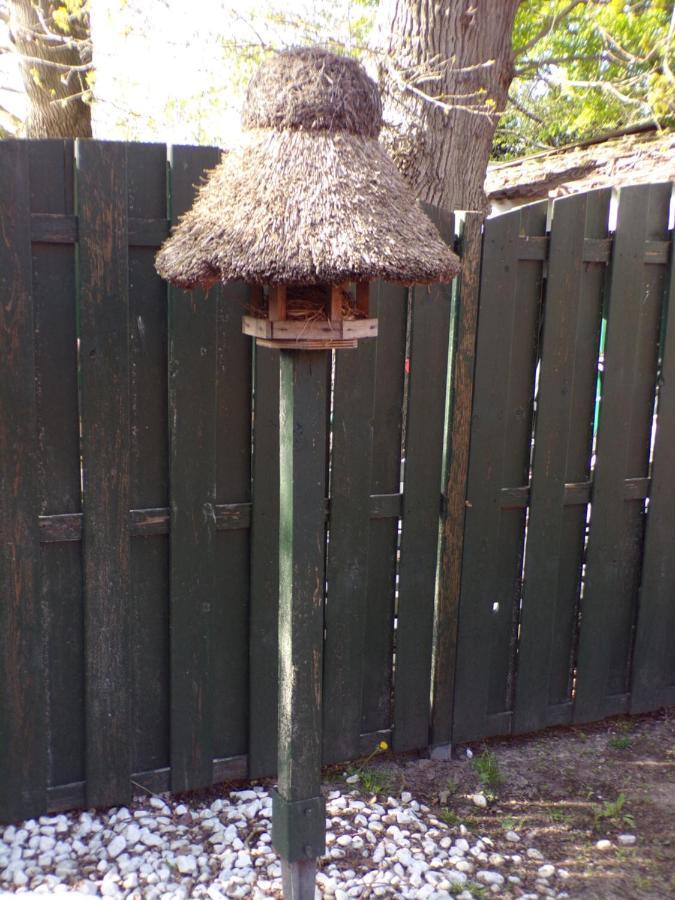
column 641, row 154
column 310, row 196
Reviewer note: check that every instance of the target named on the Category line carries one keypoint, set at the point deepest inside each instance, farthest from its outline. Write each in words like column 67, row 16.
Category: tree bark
column 445, row 76
column 54, row 64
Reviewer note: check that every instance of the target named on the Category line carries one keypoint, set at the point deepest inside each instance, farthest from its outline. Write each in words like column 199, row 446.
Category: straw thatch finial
column 311, row 89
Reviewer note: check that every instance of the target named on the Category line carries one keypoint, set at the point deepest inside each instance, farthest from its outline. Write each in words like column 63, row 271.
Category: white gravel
column 222, row 849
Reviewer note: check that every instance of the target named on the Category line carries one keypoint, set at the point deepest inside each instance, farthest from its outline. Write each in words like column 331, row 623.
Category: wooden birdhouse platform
column 315, row 317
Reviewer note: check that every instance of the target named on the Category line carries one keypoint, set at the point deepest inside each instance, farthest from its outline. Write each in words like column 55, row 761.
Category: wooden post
column 363, row 297
column 298, row 823
column 452, row 537
column 277, row 302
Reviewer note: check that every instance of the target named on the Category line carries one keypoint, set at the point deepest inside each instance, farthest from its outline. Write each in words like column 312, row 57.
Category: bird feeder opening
column 310, row 317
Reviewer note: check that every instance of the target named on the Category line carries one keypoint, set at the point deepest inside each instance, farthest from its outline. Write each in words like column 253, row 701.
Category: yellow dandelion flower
column 383, row 745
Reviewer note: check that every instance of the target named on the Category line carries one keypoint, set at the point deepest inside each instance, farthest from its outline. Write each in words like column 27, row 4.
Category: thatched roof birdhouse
column 310, row 199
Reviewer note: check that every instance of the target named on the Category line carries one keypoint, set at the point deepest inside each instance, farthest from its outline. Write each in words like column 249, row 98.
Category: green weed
column 487, row 769
column 449, row 816
column 613, row 811
column 374, row 781
column 619, row 742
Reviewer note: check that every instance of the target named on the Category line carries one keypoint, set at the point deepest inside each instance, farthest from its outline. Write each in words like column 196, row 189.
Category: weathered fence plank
column 390, row 304
column 562, row 455
column 23, row 736
column 192, row 478
column 616, row 530
column 421, row 514
column 263, row 648
column 51, row 165
column 230, row 614
column 149, row 466
column 104, row 391
column 463, row 361
column 653, row 681
column 347, row 563
column 508, row 327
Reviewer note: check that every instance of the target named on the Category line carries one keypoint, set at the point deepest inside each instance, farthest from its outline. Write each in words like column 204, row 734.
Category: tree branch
column 530, row 64
column 554, row 21
column 525, row 111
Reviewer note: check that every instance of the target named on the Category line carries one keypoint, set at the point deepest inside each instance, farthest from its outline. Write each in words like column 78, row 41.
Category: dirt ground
column 563, row 791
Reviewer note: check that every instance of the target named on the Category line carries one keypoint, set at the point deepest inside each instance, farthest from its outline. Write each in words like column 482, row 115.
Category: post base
column 299, row 879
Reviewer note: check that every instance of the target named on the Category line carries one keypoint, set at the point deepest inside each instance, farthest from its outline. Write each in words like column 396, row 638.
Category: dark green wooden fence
column 138, row 476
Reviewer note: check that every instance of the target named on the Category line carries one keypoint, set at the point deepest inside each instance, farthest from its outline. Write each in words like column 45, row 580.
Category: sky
column 161, row 71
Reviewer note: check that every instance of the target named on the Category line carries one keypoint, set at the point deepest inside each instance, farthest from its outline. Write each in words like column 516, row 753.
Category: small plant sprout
column 449, row 816
column 371, row 781
column 487, row 769
column 613, row 811
column 619, row 742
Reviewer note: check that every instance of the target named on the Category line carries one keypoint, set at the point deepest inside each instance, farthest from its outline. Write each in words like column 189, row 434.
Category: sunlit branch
column 550, row 25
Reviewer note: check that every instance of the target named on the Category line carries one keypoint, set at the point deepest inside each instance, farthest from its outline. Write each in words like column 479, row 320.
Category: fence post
column 452, row 526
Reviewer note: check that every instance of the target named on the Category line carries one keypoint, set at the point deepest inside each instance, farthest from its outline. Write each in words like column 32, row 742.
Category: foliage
column 613, row 811
column 487, row 769
column 586, row 67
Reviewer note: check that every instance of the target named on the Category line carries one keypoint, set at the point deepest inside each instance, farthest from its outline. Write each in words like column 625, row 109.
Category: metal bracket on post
column 298, row 828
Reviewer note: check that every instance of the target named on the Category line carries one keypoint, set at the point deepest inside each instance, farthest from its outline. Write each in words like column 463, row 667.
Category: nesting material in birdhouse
column 310, row 316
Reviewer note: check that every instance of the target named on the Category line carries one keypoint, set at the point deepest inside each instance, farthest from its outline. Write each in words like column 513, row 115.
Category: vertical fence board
column 192, row 477
column 104, row 360
column 23, row 737
column 149, row 467
column 653, row 682
column 347, row 564
column 233, row 485
column 58, row 442
column 623, row 444
column 508, row 322
column 421, row 515
column 264, row 600
column 458, row 446
column 562, row 449
column 391, row 304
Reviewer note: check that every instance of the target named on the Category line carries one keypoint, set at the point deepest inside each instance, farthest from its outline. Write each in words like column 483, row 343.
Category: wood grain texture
column 653, row 676
column 149, row 466
column 104, row 369
column 390, row 303
column 263, row 647
column 230, row 630
column 51, row 166
column 430, row 321
column 192, row 477
column 614, row 554
column 302, row 531
column 23, row 737
column 562, row 454
column 508, row 328
column 347, row 564
column 459, row 439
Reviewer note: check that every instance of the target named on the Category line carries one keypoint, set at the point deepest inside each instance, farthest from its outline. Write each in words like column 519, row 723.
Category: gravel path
column 160, row 848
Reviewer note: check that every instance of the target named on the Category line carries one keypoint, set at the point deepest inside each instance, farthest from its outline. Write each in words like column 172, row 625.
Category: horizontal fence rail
column 524, row 417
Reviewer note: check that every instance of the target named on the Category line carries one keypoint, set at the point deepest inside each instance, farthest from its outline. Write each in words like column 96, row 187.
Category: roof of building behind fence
column 311, row 196
column 639, row 155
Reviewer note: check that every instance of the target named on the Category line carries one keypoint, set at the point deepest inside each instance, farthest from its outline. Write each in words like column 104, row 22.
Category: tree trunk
column 445, row 77
column 55, row 59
